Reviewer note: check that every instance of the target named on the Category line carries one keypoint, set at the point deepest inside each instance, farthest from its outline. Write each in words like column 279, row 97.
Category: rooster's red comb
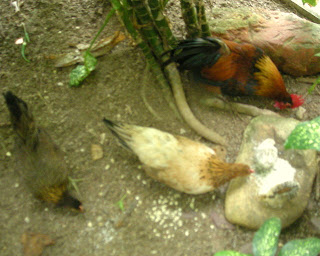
column 297, row 100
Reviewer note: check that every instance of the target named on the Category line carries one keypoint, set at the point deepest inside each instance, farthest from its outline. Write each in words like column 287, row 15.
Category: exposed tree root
column 239, row 107
column 184, row 109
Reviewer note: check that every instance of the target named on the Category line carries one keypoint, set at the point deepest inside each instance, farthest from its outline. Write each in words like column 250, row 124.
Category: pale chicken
column 183, row 164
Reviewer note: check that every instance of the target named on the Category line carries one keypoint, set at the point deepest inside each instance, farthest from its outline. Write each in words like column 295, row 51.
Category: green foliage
column 265, row 243
column 80, row 73
column 26, row 40
column 305, row 135
column 120, row 203
column 310, row 2
column 301, row 247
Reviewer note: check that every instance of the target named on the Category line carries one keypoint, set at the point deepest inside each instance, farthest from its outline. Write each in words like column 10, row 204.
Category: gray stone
column 282, row 182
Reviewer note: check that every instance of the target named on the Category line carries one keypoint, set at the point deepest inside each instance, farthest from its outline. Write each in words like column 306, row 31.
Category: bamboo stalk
column 146, row 26
column 202, row 19
column 189, row 14
column 161, row 24
column 125, row 12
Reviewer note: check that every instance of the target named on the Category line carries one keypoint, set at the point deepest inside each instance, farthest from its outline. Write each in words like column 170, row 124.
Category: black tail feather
column 195, row 54
column 21, row 118
column 116, row 131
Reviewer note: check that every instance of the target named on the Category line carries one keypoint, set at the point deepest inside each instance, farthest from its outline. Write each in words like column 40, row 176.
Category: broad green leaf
column 301, row 247
column 317, row 54
column 77, row 75
column 265, row 241
column 230, row 253
column 306, row 135
column 310, row 2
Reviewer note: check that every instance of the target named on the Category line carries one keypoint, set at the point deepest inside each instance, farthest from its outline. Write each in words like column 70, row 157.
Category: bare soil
column 157, row 220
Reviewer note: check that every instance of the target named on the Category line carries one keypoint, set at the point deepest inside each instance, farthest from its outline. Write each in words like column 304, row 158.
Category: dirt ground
column 157, row 219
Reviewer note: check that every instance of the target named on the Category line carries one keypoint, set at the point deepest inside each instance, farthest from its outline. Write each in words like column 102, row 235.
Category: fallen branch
column 239, row 107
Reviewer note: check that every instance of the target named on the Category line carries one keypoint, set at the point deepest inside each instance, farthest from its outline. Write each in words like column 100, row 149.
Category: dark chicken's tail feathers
column 119, row 131
column 197, row 53
column 21, row 118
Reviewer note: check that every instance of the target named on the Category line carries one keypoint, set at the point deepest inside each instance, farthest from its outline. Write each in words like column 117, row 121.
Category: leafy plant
column 265, row 243
column 80, row 73
column 310, row 2
column 305, row 135
column 120, row 203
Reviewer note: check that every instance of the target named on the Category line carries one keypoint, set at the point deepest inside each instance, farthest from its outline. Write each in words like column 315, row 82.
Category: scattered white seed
column 26, row 219
column 82, row 149
column 138, row 177
column 107, row 167
column 16, row 185
column 182, row 131
column 8, row 153
column 203, row 215
column 137, row 198
column 212, row 226
column 60, row 84
column 89, row 224
column 128, row 192
column 46, row 209
column 144, row 182
column 186, row 233
column 100, row 194
column 99, row 218
column 112, row 160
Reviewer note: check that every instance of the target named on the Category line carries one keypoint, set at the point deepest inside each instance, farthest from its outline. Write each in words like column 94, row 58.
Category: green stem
column 146, row 26
column 102, row 28
column 205, row 30
column 161, row 24
column 189, row 14
column 125, row 13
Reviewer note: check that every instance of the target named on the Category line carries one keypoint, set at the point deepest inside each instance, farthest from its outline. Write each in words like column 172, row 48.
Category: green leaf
column 230, row 253
column 301, row 247
column 90, row 62
column 77, row 75
column 120, row 203
column 312, row 87
column 317, row 54
column 265, row 241
column 310, row 2
column 80, row 73
column 306, row 135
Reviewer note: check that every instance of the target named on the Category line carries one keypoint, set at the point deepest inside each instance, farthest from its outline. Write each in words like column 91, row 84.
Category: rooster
column 233, row 69
column 44, row 168
column 176, row 161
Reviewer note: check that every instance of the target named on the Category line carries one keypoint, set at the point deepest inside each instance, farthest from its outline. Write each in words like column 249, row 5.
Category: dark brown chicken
column 44, row 168
column 233, row 69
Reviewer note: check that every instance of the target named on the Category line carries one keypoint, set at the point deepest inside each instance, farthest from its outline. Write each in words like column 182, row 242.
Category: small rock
column 283, row 190
column 96, row 152
column 300, row 112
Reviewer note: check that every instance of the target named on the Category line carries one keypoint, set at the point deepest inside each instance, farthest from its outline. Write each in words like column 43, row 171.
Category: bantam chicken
column 44, row 168
column 176, row 161
column 233, row 69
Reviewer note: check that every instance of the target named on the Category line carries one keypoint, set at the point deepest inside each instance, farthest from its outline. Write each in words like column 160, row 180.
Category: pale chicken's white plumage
column 179, row 162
